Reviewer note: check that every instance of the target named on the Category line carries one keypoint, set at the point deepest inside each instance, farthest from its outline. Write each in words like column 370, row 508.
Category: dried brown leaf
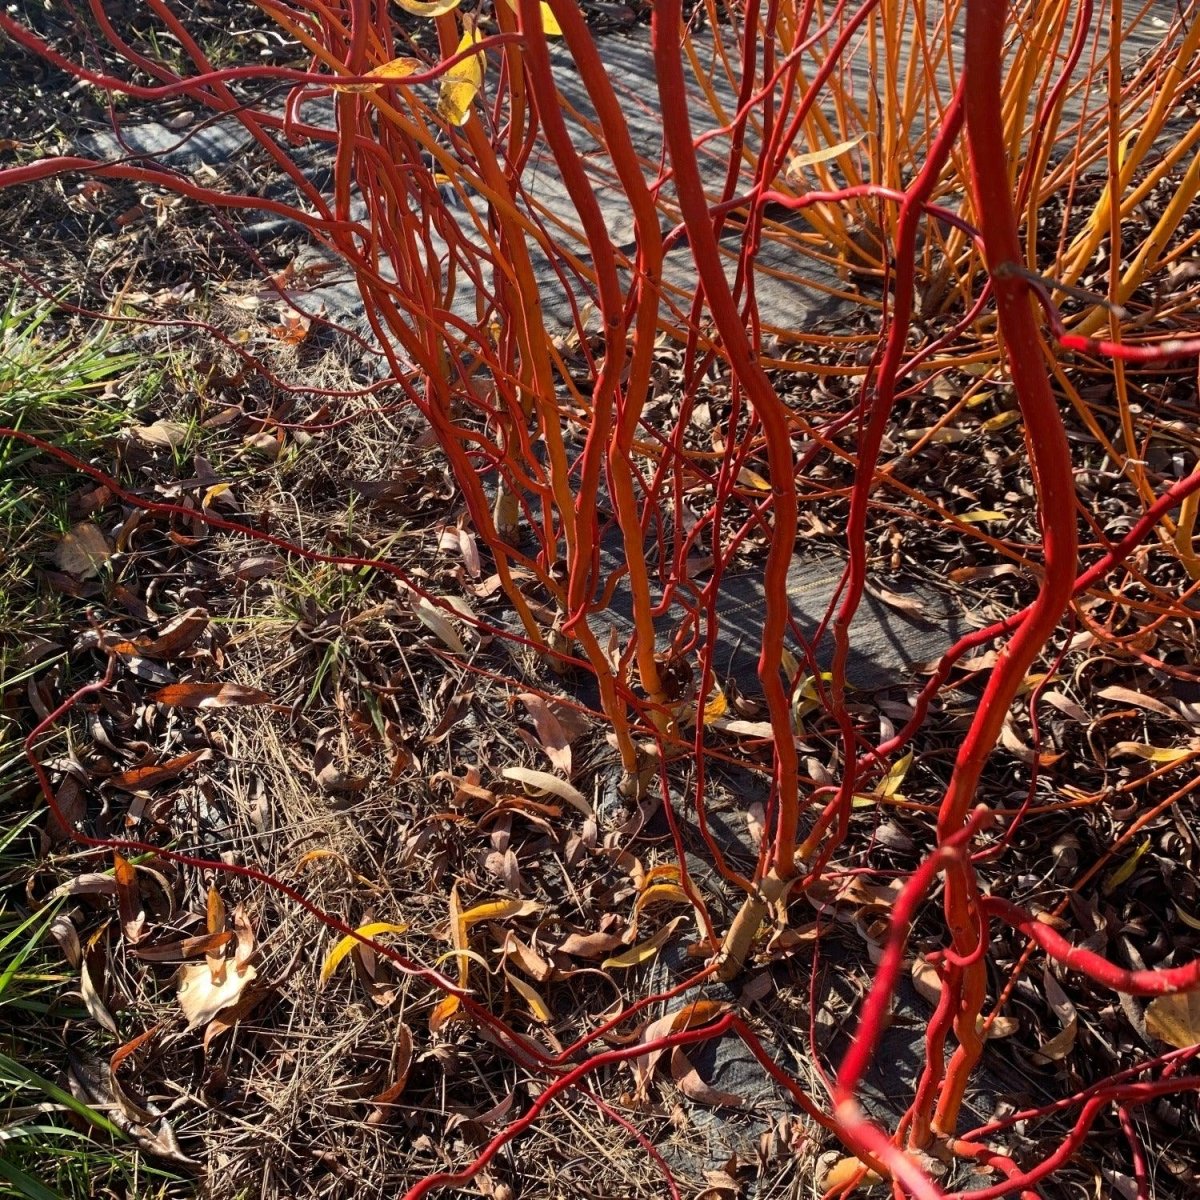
column 164, row 435
column 1175, row 1019
column 138, row 779
column 93, row 1000
column 688, row 1081
column 1063, row 1042
column 83, row 551
column 550, row 732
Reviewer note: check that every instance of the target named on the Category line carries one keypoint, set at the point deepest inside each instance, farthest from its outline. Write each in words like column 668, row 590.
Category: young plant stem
column 1053, row 480
column 771, row 413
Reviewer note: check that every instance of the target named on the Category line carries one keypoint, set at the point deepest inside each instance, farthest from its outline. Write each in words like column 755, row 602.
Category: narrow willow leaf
column 528, row 993
column 812, row 157
column 1158, row 754
column 429, row 616
column 979, row 515
column 890, row 784
column 497, row 910
column 348, row 943
column 643, row 951
column 1125, row 871
column 549, row 783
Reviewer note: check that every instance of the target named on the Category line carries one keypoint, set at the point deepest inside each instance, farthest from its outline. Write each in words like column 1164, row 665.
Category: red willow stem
column 684, row 1037
column 1050, row 462
column 197, row 86
column 769, row 409
column 1169, row 500
column 873, row 1018
column 916, row 196
column 1160, row 981
column 607, row 394
column 1138, row 1093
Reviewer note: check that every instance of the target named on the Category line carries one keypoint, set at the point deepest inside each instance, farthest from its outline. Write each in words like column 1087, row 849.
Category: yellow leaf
column 664, row 871
column 982, row 514
column 844, row 1172
column 809, row 690
column 661, row 893
column 1001, row 420
column 537, row 1005
column 1175, row 1019
column 428, row 8
column 348, row 943
column 716, row 707
column 398, row 68
column 643, row 951
column 462, row 82
column 550, row 25
column 752, row 479
column 1158, row 754
column 460, row 924
column 819, row 156
column 458, row 935
column 496, row 910
column 889, row 786
column 1125, row 870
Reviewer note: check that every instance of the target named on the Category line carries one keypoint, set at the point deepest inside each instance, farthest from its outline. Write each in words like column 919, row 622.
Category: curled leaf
column 824, row 154
column 201, row 998
column 462, row 82
column 549, row 783
column 661, row 893
column 348, row 943
column 643, row 951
